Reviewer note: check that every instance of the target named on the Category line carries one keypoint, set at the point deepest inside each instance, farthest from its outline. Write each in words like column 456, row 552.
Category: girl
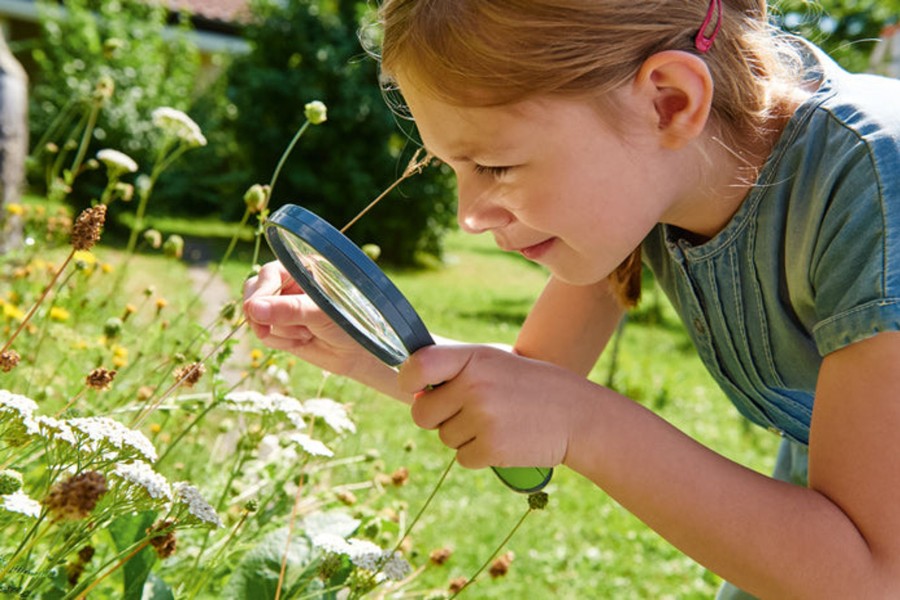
column 761, row 185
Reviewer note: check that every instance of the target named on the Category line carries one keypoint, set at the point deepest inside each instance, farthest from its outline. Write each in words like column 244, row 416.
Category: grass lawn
column 584, row 544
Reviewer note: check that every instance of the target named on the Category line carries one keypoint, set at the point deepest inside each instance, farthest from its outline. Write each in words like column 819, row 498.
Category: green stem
column 39, row 301
column 284, row 156
column 85, row 142
column 494, row 553
column 184, row 431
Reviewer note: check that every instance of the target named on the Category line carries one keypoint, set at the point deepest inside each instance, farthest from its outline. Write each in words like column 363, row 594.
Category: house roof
column 222, row 11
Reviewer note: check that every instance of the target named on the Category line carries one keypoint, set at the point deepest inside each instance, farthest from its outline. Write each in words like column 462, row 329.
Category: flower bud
column 256, row 197
column 174, row 246
column 10, row 482
column 315, row 111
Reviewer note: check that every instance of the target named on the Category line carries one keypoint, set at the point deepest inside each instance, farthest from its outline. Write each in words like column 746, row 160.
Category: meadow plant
column 141, row 455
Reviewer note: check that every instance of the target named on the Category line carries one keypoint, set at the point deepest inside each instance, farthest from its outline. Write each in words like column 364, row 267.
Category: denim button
column 699, row 327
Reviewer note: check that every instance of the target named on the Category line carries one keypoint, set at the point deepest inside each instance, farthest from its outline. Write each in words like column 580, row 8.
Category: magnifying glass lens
column 345, row 297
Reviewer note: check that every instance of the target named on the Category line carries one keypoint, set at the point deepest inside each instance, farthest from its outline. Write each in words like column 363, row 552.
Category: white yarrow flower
column 176, row 123
column 56, row 430
column 187, row 494
column 310, row 446
column 117, row 162
column 255, row 402
column 364, row 554
column 333, row 413
column 16, row 404
column 331, row 543
column 103, row 430
column 396, row 567
column 19, row 502
column 141, row 474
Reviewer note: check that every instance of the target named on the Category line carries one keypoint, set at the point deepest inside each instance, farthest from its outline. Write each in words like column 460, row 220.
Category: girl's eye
column 495, row 172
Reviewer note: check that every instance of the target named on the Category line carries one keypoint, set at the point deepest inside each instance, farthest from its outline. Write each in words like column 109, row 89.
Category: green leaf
column 156, row 589
column 125, row 532
column 256, row 576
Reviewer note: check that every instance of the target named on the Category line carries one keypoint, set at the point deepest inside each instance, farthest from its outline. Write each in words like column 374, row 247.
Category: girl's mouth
column 536, row 251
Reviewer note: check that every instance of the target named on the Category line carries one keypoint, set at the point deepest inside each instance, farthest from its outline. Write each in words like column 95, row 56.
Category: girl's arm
column 570, row 325
column 839, row 538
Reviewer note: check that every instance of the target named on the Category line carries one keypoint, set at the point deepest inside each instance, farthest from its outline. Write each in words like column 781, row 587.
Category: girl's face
column 550, row 180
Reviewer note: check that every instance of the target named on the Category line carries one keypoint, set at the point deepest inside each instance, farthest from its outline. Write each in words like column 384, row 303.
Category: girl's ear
column 679, row 87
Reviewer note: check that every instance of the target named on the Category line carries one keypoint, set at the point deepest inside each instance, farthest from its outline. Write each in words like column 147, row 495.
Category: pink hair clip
column 702, row 42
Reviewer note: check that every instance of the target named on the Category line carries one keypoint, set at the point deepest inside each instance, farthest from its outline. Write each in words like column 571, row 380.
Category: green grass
column 584, row 544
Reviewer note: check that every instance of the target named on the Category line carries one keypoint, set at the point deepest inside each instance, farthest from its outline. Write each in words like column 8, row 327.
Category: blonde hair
column 490, row 52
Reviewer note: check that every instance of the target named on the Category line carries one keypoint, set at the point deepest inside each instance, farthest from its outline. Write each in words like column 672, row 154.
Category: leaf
column 256, row 576
column 156, row 589
column 335, row 522
column 125, row 531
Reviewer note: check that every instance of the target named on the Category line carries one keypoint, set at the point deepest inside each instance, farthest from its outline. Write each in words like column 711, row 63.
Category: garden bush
column 309, row 49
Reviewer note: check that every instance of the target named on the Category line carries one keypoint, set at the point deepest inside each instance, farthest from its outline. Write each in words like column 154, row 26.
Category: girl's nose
column 478, row 211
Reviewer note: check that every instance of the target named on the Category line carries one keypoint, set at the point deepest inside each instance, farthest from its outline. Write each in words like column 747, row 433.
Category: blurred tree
column 847, row 29
column 122, row 41
column 305, row 50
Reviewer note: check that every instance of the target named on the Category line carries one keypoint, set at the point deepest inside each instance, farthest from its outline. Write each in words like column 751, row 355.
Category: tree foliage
column 304, row 50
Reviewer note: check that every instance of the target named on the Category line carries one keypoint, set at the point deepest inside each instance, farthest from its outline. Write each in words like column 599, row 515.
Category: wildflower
column 75, row 497
column 395, row 567
column 255, row 356
column 55, row 430
column 84, row 259
column 177, row 124
column 440, row 556
column 346, row 497
column 457, row 584
column 310, row 446
column 20, row 502
column 59, row 314
column 161, row 303
column 120, row 356
column 153, row 238
column 8, row 360
column 316, row 112
column 400, row 476
column 500, row 566
column 16, row 405
column 256, row 197
column 163, row 537
column 251, row 401
column 174, row 246
column 145, row 392
column 10, row 482
column 87, row 227
column 333, row 413
column 100, row 379
column 102, row 431
column 142, row 475
column 538, row 500
column 116, row 162
column 123, row 190
column 11, row 311
column 104, row 89
column 198, row 507
column 130, row 309
column 373, row 251
column 16, row 210
column 112, row 327
column 189, row 375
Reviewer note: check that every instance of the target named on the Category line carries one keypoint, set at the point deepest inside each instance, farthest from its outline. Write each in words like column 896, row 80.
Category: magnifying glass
column 350, row 288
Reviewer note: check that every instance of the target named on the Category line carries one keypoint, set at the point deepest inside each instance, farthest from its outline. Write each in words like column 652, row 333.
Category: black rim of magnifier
column 358, row 268
column 369, row 279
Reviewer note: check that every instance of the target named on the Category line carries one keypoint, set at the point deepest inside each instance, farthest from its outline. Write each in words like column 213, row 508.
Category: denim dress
column 808, row 264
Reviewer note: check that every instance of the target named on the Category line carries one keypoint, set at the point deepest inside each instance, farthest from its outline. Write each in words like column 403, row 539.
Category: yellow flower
column 11, row 311
column 15, row 209
column 255, row 356
column 107, row 268
column 120, row 356
column 85, row 256
column 59, row 314
column 155, row 428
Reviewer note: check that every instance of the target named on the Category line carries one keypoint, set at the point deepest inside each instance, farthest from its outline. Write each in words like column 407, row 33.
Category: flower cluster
column 177, row 124
column 189, row 496
column 364, row 554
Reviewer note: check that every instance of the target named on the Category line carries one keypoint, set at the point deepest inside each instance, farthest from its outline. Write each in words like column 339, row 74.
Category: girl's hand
column 493, row 407
column 285, row 318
